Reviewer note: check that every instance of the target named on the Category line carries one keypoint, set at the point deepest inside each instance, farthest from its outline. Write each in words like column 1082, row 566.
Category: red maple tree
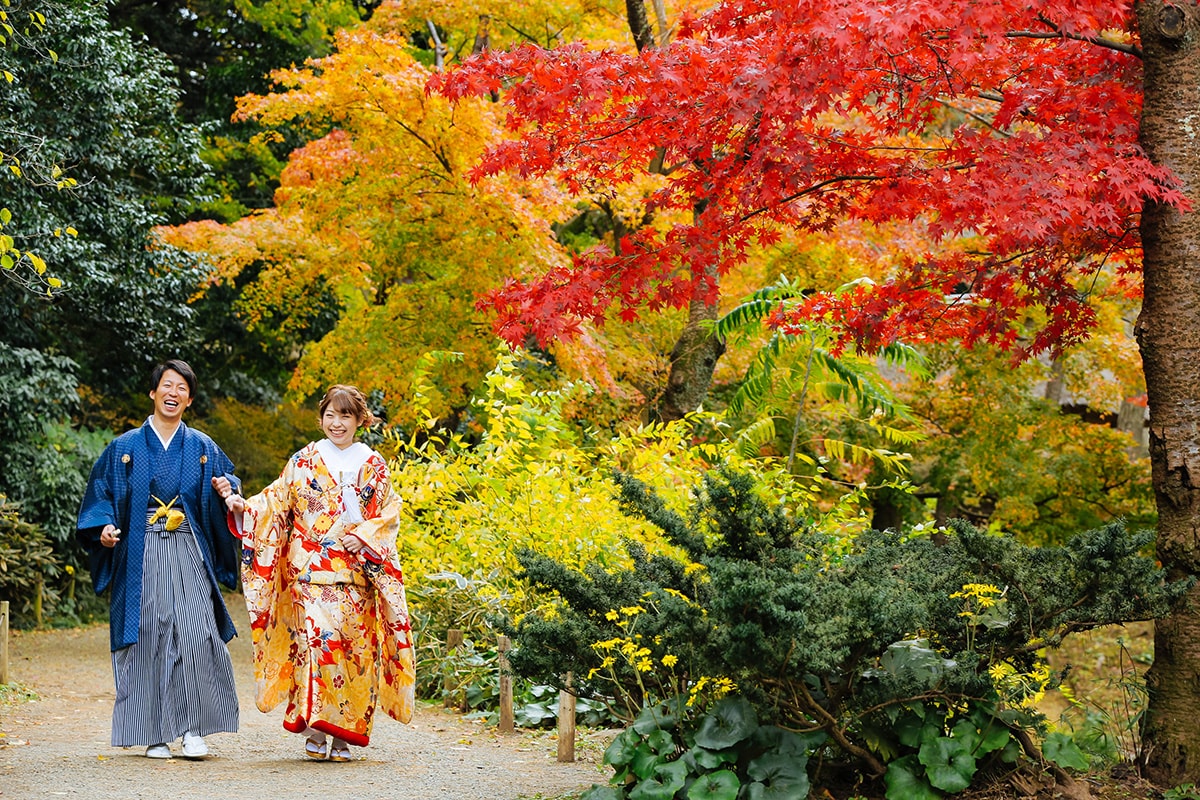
column 1010, row 123
column 1012, row 130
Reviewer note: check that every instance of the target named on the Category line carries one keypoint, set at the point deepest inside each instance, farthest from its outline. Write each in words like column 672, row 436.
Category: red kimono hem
column 349, row 737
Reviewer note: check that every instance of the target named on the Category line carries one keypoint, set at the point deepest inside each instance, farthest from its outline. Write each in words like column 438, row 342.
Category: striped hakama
column 178, row 677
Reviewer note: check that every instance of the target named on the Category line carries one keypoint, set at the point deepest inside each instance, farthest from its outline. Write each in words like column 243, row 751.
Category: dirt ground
column 57, row 745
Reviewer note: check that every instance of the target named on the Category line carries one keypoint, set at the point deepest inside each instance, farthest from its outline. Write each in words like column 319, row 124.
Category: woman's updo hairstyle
column 346, row 399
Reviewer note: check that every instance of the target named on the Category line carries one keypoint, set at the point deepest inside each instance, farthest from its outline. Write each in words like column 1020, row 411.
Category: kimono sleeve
column 380, row 509
column 99, row 508
column 227, row 554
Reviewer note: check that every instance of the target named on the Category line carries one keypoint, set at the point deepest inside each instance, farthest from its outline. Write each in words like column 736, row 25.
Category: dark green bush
column 891, row 646
column 28, row 566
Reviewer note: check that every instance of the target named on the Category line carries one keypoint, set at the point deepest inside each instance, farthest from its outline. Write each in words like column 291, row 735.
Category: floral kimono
column 330, row 629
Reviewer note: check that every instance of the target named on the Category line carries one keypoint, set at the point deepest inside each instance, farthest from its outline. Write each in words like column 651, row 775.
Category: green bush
column 917, row 657
column 28, row 566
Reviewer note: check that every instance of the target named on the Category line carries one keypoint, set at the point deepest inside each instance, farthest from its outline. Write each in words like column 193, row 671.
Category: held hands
column 234, row 502
column 352, row 543
column 110, row 535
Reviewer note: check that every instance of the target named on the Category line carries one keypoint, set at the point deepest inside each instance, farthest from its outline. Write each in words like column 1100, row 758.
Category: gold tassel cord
column 173, row 516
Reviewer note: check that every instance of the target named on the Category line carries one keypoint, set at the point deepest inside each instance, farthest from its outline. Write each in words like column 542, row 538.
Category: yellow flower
column 669, row 660
column 611, row 616
column 645, row 665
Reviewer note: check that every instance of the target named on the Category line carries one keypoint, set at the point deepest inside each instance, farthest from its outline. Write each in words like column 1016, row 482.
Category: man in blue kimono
column 158, row 537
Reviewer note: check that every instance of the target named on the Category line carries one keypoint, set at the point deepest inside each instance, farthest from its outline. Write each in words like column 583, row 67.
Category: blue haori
column 178, row 676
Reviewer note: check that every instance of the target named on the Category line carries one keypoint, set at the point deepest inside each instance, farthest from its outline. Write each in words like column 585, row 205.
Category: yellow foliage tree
column 378, row 206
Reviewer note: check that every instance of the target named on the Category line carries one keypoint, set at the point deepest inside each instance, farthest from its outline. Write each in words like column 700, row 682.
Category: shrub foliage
column 918, row 658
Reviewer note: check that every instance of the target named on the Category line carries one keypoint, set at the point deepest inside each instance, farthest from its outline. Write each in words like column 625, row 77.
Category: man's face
column 171, row 397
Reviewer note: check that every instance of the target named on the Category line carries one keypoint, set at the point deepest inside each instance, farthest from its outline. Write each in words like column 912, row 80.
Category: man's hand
column 110, row 535
column 352, row 543
column 224, row 489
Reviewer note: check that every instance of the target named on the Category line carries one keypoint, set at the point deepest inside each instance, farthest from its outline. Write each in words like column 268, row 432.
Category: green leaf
column 645, row 762
column 666, row 780
column 661, row 742
column 781, row 775
column 720, row 785
column 910, row 730
column 1061, row 749
column 778, row 791
column 905, row 779
column 622, row 749
column 706, row 759
column 652, row 718
column 788, row 743
column 730, row 720
column 598, row 792
column 948, row 763
column 992, row 736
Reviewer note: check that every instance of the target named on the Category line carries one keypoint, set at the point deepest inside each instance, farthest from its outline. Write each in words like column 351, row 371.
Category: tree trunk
column 693, row 359
column 639, row 24
column 1168, row 333
column 695, row 354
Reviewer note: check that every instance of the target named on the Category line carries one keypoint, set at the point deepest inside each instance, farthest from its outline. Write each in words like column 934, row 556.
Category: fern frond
column 754, row 437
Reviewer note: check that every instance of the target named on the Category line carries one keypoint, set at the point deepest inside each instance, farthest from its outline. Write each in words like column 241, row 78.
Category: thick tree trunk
column 693, row 360
column 1168, row 333
column 695, row 354
column 639, row 24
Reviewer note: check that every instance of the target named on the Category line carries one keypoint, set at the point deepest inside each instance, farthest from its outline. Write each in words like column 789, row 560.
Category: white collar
column 340, row 461
column 166, row 443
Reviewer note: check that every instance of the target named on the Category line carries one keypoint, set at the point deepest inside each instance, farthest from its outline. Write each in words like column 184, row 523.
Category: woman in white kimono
column 324, row 589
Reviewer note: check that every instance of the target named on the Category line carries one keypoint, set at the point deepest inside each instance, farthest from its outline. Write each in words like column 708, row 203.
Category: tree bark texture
column 1168, row 332
column 639, row 24
column 693, row 360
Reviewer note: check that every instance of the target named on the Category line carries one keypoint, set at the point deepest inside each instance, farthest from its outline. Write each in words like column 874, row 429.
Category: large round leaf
column 662, row 785
column 777, row 791
column 993, row 736
column 622, row 749
column 661, row 742
column 779, row 776
column 773, row 768
column 948, row 763
column 905, row 779
column 598, row 792
column 708, row 759
column 785, row 742
column 1062, row 750
column 656, row 717
column 728, row 722
column 720, row 785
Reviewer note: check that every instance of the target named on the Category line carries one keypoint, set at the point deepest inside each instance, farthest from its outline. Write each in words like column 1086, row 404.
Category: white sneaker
column 158, row 751
column 194, row 746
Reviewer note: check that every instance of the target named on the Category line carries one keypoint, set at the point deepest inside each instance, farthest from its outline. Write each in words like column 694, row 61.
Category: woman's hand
column 110, row 535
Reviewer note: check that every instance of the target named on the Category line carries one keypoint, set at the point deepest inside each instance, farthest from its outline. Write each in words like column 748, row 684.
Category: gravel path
column 57, row 745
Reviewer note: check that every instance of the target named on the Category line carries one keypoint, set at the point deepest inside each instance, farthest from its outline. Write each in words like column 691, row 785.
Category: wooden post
column 566, row 722
column 454, row 640
column 3, row 642
column 506, row 688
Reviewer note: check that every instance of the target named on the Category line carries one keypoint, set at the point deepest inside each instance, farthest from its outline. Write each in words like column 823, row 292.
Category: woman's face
column 339, row 427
